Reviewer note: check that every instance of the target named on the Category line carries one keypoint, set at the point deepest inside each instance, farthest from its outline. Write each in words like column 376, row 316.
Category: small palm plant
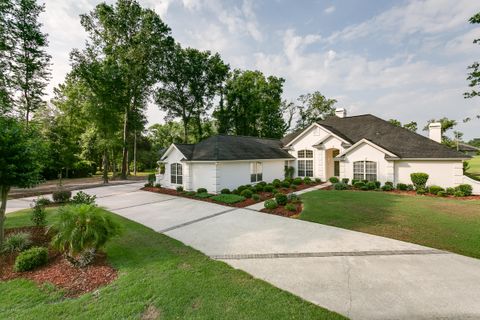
column 80, row 231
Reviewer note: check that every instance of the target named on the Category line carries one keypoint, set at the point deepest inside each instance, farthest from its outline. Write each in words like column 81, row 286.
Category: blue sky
column 396, row 59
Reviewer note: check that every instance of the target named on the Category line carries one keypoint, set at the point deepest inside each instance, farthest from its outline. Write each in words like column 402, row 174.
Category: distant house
column 360, row 147
column 468, row 149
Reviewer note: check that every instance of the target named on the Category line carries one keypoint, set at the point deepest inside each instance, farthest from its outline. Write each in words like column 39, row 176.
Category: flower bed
column 282, row 211
column 262, row 195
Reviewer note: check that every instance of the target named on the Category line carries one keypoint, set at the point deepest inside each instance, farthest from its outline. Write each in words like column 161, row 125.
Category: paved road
column 359, row 275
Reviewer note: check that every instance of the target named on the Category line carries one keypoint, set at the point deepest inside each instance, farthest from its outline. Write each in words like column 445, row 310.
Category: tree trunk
column 3, row 206
column 114, row 165
column 125, row 149
column 105, row 166
column 135, row 154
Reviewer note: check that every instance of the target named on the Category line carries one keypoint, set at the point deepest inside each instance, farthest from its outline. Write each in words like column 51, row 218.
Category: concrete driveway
column 359, row 275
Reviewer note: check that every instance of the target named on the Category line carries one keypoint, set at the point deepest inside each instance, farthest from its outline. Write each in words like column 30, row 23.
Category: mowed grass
column 474, row 167
column 447, row 224
column 159, row 278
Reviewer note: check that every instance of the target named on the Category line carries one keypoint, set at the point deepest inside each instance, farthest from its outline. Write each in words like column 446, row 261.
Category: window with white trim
column 176, row 173
column 256, row 172
column 365, row 170
column 305, row 163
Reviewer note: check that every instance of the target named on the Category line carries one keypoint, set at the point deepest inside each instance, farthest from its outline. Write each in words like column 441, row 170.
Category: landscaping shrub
column 256, row 196
column 235, row 191
column 241, row 188
column 371, row 185
column 203, row 195
column 42, row 201
column 458, row 193
column 292, row 197
column 401, row 186
column 290, row 207
column 268, row 188
column 61, row 196
column 450, row 191
column 247, row 193
column 387, row 187
column 419, row 180
column 318, row 180
column 228, row 198
column 410, row 187
column 307, row 180
column 421, row 191
column 31, row 259
column 364, row 187
column 16, row 242
column 281, row 199
column 289, row 171
column 38, row 216
column 359, row 185
column 345, row 180
column 277, row 183
column 354, row 181
column 225, row 191
column 285, row 184
column 271, row 204
column 151, row 178
column 158, row 185
column 258, row 188
column 190, row 193
column 147, row 185
column 201, row 190
column 434, row 189
column 297, row 181
column 179, row 188
column 80, row 228
column 293, row 187
column 340, row 186
column 333, row 180
column 465, row 188
column 262, row 183
column 83, row 198
column 442, row 193
column 378, row 184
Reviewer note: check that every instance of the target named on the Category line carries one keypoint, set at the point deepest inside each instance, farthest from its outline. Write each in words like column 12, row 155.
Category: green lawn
column 157, row 272
column 474, row 167
column 446, row 224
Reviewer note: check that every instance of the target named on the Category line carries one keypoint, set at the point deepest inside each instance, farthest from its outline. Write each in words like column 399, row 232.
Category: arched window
column 305, row 163
column 176, row 173
column 365, row 170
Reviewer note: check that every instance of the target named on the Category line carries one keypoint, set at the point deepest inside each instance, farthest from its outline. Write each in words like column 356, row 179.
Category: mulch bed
column 58, row 271
column 247, row 202
column 281, row 211
column 412, row 193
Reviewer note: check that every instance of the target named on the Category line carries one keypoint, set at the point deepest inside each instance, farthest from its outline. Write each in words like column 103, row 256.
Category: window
column 365, row 170
column 256, row 172
column 305, row 163
column 176, row 173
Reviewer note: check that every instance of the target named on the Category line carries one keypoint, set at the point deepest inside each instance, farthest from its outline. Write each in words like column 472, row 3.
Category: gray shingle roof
column 400, row 141
column 466, row 147
column 224, row 147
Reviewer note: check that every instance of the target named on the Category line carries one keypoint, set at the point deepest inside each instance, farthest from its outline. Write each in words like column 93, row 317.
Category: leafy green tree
column 190, row 83
column 475, row 142
column 253, row 105
column 412, row 126
column 6, row 46
column 314, row 107
column 395, row 122
column 138, row 42
column 20, row 161
column 30, row 60
column 474, row 74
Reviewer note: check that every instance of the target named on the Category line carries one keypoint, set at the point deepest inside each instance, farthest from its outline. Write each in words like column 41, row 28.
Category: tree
column 30, row 60
column 288, row 110
column 395, row 122
column 190, row 83
column 5, row 56
column 412, row 125
column 20, row 161
column 475, row 142
column 253, row 105
column 474, row 74
column 137, row 41
column 314, row 107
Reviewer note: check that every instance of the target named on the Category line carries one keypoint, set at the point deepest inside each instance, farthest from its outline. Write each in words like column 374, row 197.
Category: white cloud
column 329, row 10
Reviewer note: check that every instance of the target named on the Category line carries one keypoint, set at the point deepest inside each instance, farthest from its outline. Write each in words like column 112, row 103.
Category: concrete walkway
column 359, row 275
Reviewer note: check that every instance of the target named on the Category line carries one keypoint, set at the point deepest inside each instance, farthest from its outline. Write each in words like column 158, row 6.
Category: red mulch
column 247, row 202
column 58, row 271
column 281, row 211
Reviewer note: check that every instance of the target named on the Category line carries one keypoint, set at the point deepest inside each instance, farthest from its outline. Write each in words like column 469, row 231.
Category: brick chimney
column 435, row 131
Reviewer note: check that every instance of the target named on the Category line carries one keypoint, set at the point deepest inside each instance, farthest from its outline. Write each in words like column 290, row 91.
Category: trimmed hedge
column 281, row 199
column 31, row 259
column 271, row 204
column 402, row 186
column 297, row 181
column 247, row 193
column 202, row 190
column 419, row 179
column 61, row 196
column 228, row 198
column 333, row 180
column 290, row 207
column 340, row 186
column 465, row 188
column 225, row 191
column 435, row 189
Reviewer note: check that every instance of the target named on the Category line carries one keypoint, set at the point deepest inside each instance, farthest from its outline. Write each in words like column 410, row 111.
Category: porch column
column 390, row 174
column 320, row 164
column 187, row 174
